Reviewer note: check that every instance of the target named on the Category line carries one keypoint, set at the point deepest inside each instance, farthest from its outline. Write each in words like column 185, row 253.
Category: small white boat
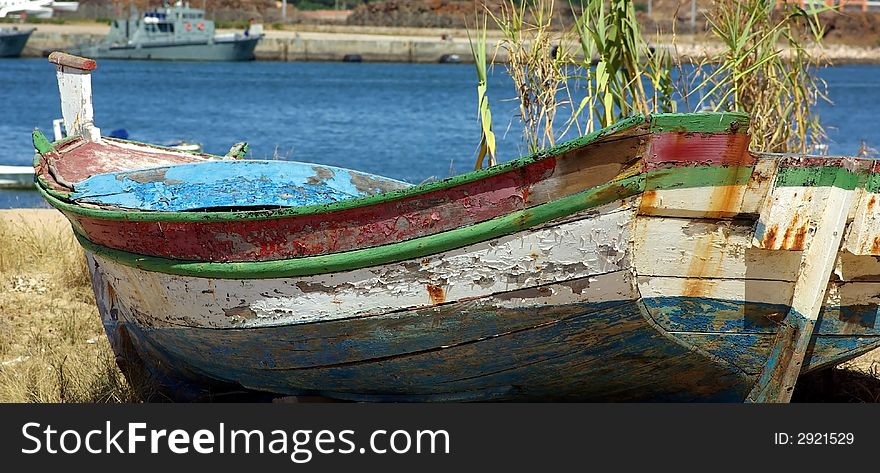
column 185, row 146
column 16, row 177
column 34, row 8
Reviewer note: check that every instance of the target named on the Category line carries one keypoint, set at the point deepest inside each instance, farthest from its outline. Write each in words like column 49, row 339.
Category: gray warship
column 12, row 41
column 172, row 33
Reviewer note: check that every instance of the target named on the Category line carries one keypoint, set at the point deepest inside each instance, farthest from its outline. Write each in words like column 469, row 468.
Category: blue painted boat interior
column 230, row 184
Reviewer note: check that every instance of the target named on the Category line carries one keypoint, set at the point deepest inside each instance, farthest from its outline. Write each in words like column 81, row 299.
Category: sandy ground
column 42, row 221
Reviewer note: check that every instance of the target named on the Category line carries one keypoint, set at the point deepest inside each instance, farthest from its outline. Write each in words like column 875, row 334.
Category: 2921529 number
column 814, row 438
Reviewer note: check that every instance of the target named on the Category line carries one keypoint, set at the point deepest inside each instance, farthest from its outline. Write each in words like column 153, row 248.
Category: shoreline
column 375, row 44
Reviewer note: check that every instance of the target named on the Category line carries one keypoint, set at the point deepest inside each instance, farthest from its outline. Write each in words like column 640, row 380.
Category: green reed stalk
column 766, row 69
column 609, row 32
column 537, row 59
column 487, row 138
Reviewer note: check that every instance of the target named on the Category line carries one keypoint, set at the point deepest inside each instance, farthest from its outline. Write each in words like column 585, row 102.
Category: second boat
column 176, row 33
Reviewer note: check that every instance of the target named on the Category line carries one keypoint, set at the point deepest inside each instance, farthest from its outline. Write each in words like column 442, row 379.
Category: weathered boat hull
column 234, row 50
column 658, row 259
column 563, row 312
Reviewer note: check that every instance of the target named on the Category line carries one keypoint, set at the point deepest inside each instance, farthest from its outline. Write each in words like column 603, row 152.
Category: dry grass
column 768, row 69
column 52, row 344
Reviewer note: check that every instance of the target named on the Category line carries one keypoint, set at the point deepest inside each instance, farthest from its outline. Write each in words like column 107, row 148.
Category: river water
column 406, row 121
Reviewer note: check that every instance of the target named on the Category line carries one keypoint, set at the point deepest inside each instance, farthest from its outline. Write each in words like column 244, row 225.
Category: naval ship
column 172, row 33
column 12, row 41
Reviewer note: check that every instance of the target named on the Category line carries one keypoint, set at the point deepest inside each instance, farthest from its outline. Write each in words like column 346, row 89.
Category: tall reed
column 627, row 77
column 610, row 36
column 767, row 69
column 537, row 61
column 487, row 138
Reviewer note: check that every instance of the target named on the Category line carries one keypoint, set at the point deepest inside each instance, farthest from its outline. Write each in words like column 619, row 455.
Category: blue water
column 405, row 121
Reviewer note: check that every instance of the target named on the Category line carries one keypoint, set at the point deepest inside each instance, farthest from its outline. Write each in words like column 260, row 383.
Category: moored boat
column 16, row 177
column 13, row 41
column 658, row 259
column 172, row 33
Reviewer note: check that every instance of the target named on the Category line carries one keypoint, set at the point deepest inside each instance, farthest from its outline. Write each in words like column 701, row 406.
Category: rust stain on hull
column 770, row 236
column 649, row 199
column 437, row 294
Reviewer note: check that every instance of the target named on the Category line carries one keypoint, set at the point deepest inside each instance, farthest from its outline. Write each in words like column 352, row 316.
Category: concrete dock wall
column 293, row 46
column 402, row 45
column 325, row 47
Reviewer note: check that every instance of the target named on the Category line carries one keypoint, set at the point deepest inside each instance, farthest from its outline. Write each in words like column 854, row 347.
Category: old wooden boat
column 658, row 259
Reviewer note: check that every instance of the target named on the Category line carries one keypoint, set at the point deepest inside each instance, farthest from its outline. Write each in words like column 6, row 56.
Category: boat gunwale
column 713, row 122
column 360, row 258
column 619, row 188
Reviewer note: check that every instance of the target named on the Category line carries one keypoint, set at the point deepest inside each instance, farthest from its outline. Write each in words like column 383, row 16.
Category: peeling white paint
column 592, row 246
column 863, row 237
column 75, row 87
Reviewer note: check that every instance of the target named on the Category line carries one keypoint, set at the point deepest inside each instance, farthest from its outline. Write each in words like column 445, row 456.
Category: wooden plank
column 800, row 196
column 779, row 376
column 850, row 267
column 710, row 192
column 786, row 219
column 698, row 149
column 863, row 237
column 75, row 86
column 581, row 168
column 678, row 247
column 590, row 247
column 696, row 192
column 604, row 355
column 686, row 314
column 74, row 62
column 749, row 351
column 848, row 309
column 749, row 290
column 710, row 182
column 760, row 184
column 826, row 351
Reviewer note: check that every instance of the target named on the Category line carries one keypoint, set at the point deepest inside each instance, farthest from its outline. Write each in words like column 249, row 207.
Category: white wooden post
column 75, row 86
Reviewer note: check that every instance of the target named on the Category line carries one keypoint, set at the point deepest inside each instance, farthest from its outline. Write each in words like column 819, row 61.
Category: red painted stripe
column 698, row 149
column 375, row 225
column 306, row 235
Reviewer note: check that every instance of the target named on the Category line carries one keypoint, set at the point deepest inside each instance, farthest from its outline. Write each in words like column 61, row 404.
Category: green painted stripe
column 404, row 250
column 698, row 176
column 820, row 176
column 714, row 122
column 872, row 184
